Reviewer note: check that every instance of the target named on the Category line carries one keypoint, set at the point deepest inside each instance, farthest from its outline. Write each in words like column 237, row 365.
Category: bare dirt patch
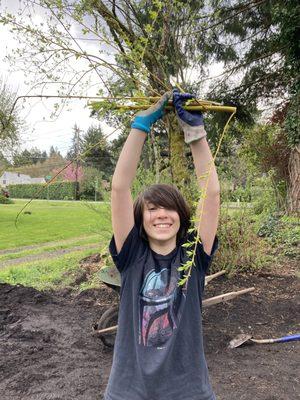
column 48, row 351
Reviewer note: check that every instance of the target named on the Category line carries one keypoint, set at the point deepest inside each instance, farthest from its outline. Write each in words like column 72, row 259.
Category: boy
column 159, row 348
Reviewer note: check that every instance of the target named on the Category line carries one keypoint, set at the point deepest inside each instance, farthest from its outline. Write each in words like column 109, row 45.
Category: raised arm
column 209, row 204
column 121, row 199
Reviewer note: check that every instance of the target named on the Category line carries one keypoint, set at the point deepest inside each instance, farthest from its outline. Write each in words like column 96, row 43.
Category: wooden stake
column 206, row 303
column 111, row 329
column 213, row 276
column 225, row 297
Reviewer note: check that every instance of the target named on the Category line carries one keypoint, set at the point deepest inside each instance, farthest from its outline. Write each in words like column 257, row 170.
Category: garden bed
column 48, row 351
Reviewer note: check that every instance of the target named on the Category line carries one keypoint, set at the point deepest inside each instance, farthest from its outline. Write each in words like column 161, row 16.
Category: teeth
column 163, row 225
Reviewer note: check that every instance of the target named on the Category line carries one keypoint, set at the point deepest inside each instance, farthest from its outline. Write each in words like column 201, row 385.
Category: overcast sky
column 43, row 131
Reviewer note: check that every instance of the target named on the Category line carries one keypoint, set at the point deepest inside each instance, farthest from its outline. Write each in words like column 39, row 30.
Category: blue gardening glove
column 146, row 118
column 191, row 122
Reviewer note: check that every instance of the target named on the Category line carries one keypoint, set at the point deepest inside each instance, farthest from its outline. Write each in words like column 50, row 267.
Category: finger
column 180, row 98
column 164, row 99
column 186, row 96
column 182, row 95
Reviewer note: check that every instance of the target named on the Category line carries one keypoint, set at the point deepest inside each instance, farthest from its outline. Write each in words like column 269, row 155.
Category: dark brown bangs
column 167, row 196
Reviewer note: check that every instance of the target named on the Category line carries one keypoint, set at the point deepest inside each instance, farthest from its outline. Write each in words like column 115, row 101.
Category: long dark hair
column 167, row 196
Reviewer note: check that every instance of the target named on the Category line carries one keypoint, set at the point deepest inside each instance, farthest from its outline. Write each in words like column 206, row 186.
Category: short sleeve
column 204, row 260
column 129, row 251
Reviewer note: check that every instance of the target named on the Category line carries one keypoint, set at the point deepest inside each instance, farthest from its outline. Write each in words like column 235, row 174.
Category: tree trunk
column 178, row 162
column 293, row 197
column 156, row 157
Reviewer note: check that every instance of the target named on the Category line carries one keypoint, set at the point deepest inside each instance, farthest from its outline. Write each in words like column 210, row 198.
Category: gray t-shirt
column 158, row 351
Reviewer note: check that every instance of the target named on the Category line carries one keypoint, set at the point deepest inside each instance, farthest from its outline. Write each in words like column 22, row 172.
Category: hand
column 145, row 119
column 191, row 121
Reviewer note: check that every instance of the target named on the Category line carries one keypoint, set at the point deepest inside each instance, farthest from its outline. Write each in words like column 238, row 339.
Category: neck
column 164, row 247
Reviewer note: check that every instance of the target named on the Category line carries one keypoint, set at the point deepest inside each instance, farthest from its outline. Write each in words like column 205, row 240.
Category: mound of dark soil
column 48, row 351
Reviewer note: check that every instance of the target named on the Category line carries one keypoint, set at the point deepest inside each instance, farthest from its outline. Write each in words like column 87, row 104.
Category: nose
column 161, row 213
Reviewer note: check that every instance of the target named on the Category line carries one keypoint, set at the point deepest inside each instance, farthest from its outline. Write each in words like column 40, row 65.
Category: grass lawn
column 52, row 221
column 49, row 274
column 45, row 248
column 52, row 225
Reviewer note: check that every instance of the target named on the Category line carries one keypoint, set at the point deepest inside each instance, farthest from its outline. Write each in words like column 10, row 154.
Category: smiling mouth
column 163, row 225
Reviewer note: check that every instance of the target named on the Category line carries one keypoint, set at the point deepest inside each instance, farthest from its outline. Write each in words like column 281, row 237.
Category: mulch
column 48, row 349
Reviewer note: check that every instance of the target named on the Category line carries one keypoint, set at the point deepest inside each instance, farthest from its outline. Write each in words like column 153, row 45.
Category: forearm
column 129, row 158
column 205, row 167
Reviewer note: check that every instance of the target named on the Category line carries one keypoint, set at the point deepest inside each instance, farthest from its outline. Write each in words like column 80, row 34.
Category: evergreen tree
column 54, row 152
column 76, row 146
column 96, row 151
column 28, row 157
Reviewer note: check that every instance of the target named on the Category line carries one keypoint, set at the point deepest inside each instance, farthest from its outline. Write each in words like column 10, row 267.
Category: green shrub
column 144, row 177
column 265, row 200
column 240, row 193
column 282, row 233
column 91, row 180
column 5, row 200
column 54, row 191
column 240, row 246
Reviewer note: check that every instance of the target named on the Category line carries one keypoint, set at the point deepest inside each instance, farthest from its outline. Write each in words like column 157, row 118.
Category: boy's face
column 160, row 224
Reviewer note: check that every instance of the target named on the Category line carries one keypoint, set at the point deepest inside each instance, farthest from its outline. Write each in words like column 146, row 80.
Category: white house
column 16, row 178
column 38, row 180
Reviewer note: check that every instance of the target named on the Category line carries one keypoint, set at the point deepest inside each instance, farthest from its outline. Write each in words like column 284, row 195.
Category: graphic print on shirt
column 161, row 302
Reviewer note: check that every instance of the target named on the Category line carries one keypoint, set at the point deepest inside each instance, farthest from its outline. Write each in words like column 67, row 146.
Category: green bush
column 265, row 199
column 241, row 249
column 5, row 200
column 54, row 191
column 142, row 179
column 240, row 193
column 282, row 233
column 146, row 177
column 91, row 180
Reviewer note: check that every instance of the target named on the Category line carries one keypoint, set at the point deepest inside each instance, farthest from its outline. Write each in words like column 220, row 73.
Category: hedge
column 54, row 191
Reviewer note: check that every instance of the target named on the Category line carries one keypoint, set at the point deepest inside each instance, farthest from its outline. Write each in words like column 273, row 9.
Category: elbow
column 214, row 192
column 118, row 187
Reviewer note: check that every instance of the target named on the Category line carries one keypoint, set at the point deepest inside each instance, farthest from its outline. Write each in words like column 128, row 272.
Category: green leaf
column 182, row 281
column 185, row 245
column 153, row 14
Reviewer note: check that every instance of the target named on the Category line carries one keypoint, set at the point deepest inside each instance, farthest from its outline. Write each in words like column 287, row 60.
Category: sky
column 41, row 130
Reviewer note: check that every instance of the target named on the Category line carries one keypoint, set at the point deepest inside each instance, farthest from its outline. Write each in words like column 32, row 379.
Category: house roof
column 12, row 175
column 18, row 177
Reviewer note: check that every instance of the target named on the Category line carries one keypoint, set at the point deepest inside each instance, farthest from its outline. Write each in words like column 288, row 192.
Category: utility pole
column 77, row 138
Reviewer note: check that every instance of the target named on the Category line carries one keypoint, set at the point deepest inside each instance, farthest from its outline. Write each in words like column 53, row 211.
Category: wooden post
column 213, row 276
column 206, row 303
